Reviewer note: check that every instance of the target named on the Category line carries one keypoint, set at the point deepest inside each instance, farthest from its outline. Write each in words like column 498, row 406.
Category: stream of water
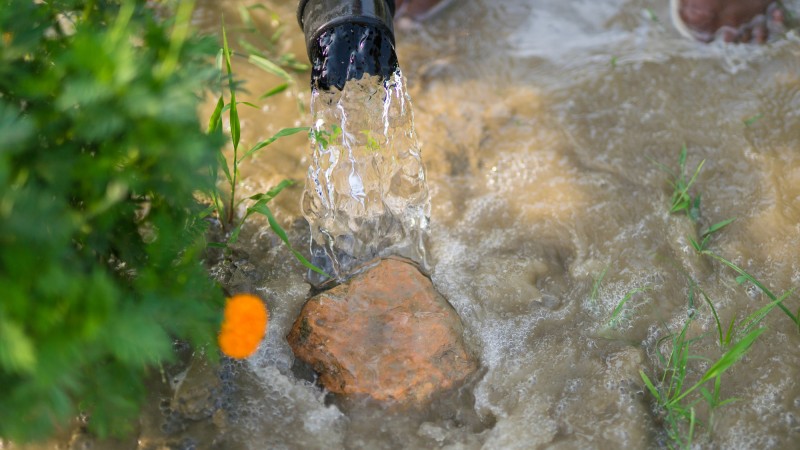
column 545, row 128
column 366, row 195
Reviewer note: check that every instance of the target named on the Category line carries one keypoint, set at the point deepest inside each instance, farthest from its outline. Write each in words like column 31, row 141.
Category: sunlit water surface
column 543, row 125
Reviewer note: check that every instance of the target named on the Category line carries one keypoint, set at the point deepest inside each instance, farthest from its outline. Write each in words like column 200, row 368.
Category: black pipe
column 346, row 39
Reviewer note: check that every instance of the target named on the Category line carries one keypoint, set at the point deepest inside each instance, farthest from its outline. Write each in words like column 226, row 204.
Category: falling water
column 366, row 195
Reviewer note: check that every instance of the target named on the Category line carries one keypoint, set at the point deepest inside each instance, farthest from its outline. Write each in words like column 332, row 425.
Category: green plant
column 226, row 210
column 672, row 395
column 675, row 402
column 101, row 154
column 616, row 315
column 682, row 200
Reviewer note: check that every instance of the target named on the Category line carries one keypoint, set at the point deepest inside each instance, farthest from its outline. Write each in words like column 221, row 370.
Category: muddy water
column 543, row 125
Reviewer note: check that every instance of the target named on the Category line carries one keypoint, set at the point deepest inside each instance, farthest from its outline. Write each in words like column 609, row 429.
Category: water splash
column 366, row 193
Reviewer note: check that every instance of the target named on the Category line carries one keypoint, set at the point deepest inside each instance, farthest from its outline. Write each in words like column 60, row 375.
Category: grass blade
column 650, row 386
column 224, row 164
column 234, row 113
column 718, row 226
column 278, row 135
column 214, row 122
column 264, row 209
column 596, row 285
column 724, row 363
column 753, row 319
column 621, row 304
column 270, row 67
column 751, row 279
column 276, row 90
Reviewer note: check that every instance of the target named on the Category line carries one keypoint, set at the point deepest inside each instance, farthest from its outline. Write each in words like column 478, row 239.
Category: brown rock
column 386, row 334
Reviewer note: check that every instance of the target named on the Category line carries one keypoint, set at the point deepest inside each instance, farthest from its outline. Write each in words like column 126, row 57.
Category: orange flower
column 244, row 325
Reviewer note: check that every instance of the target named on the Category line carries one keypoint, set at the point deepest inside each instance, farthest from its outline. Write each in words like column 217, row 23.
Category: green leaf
column 618, row 310
column 264, row 143
column 17, row 354
column 214, row 122
column 746, row 276
column 682, row 158
column 234, row 113
column 650, row 386
column 264, row 209
column 596, row 285
column 724, row 363
column 224, row 164
column 276, row 90
column 718, row 226
column 696, row 246
column 270, row 67
column 753, row 319
column 272, row 193
column 753, row 119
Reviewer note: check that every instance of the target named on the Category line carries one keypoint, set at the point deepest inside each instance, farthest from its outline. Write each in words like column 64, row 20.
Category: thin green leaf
column 690, row 437
column 753, row 319
column 224, row 164
column 650, row 386
column 729, row 333
column 753, row 119
column 282, row 133
column 270, row 67
column 750, row 278
column 250, row 48
column 727, row 401
column 206, row 212
column 718, row 226
column 724, row 363
column 235, row 233
column 234, row 113
column 621, row 304
column 682, row 158
column 276, row 90
column 596, row 285
column 714, row 313
column 247, row 20
column 272, row 193
column 214, row 122
column 264, row 209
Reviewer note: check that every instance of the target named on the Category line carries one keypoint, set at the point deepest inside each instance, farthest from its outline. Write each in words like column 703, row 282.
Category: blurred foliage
column 101, row 158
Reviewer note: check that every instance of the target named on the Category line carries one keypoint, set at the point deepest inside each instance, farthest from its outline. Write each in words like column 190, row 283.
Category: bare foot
column 730, row 20
column 419, row 9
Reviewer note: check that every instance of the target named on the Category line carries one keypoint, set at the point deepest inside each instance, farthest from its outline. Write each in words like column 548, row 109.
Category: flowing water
column 544, row 126
column 365, row 195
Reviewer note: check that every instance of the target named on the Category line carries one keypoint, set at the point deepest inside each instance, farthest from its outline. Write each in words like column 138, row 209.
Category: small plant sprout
column 596, row 285
column 706, row 236
column 681, row 199
column 750, row 121
column 617, row 315
column 372, row 143
column 672, row 396
column 226, row 210
column 674, row 400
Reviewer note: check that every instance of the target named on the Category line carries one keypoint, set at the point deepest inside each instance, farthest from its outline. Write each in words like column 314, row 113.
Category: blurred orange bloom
column 244, row 325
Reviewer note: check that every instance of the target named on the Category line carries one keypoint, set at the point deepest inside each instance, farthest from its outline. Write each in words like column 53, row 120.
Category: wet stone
column 386, row 334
